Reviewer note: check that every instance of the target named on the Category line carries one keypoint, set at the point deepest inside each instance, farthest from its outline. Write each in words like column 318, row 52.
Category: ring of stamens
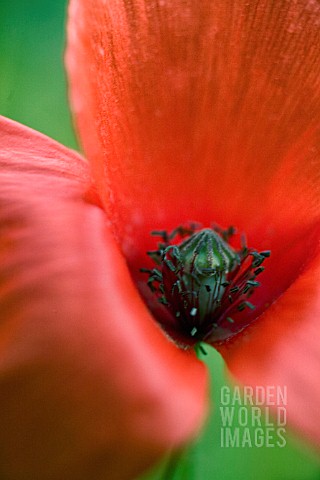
column 203, row 280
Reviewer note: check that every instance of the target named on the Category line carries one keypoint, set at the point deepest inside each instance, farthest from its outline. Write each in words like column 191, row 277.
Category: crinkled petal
column 89, row 385
column 205, row 111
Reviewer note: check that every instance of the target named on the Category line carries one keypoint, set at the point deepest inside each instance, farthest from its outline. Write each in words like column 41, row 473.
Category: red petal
column 90, row 387
column 204, row 111
column 282, row 348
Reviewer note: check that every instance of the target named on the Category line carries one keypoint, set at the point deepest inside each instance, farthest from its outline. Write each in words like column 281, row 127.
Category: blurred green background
column 33, row 91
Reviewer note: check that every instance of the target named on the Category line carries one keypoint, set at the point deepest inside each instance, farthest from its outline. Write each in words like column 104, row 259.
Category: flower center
column 204, row 281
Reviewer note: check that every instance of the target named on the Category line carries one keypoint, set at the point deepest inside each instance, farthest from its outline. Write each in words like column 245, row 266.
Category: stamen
column 204, row 281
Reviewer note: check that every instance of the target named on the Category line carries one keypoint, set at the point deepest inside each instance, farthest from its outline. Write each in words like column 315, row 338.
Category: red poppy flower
column 205, row 111
column 209, row 111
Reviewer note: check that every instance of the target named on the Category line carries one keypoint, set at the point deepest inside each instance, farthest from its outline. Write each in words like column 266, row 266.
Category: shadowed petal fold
column 282, row 349
column 89, row 386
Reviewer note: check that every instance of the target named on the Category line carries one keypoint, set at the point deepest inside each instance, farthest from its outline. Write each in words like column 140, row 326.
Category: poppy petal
column 89, row 385
column 204, row 111
column 282, row 349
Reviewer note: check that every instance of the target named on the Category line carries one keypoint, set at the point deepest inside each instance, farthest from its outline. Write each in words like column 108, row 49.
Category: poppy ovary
column 204, row 281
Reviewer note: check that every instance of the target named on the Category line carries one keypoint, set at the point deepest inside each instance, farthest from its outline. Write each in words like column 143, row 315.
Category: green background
column 33, row 91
